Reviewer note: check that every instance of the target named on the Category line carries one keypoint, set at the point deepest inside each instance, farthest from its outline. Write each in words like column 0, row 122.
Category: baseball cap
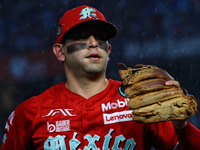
column 82, row 16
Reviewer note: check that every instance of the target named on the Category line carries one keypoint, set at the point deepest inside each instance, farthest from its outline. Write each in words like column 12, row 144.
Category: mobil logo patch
column 114, row 105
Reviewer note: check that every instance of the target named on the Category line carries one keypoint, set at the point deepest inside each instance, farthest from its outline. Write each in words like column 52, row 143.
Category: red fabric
column 61, row 119
column 189, row 137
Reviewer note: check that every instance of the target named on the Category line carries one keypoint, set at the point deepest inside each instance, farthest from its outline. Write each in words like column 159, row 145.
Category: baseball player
column 88, row 111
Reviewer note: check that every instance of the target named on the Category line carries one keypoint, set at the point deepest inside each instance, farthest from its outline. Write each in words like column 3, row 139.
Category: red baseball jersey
column 59, row 119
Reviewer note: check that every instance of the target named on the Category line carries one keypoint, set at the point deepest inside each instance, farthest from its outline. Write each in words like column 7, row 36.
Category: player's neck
column 87, row 87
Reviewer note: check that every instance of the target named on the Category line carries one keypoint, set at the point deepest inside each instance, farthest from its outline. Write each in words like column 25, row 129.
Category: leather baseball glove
column 150, row 99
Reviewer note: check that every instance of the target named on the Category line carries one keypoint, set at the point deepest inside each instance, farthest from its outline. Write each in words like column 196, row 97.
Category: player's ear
column 58, row 51
column 109, row 51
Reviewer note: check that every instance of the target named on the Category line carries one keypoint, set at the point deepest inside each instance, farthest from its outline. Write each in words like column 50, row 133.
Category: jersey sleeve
column 17, row 131
column 165, row 136
column 188, row 137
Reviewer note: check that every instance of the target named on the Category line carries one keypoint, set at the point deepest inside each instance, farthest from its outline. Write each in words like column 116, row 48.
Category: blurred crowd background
column 165, row 33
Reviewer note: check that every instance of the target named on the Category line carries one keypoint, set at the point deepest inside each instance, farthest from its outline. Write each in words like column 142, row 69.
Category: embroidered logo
column 59, row 126
column 64, row 112
column 88, row 13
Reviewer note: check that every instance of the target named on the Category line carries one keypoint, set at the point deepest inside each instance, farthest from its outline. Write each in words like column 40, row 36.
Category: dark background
column 164, row 33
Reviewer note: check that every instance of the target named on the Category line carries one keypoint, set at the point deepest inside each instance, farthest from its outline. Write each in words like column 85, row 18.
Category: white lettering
column 121, row 103
column 50, row 127
column 107, row 107
column 68, row 113
column 114, row 105
column 59, row 111
column 7, row 127
column 11, row 117
column 118, row 104
column 59, row 126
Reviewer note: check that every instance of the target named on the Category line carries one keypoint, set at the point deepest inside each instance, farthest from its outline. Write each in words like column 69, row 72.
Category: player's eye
column 100, row 37
column 84, row 35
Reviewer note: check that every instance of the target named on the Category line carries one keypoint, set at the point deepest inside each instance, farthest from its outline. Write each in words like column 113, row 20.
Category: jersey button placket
column 87, row 115
column 88, row 105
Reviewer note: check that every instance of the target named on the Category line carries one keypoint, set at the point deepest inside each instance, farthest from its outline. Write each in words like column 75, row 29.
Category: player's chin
column 94, row 68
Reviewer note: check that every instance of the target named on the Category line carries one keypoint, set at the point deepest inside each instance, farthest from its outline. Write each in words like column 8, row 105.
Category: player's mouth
column 94, row 56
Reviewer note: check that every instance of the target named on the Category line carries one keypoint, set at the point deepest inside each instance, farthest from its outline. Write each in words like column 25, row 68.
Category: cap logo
column 88, row 13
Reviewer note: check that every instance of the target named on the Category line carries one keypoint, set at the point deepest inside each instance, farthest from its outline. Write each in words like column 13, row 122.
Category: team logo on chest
column 64, row 112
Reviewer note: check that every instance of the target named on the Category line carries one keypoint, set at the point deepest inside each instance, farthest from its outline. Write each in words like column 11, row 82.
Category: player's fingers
column 172, row 82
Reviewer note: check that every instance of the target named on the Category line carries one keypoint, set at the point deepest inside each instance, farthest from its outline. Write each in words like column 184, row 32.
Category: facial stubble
column 92, row 67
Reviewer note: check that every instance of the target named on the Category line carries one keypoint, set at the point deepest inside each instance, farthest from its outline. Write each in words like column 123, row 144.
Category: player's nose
column 92, row 42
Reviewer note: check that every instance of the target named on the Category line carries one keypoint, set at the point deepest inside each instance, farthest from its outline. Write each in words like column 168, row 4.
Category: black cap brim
column 109, row 29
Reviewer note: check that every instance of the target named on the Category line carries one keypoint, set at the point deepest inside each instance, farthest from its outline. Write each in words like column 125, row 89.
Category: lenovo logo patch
column 117, row 117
